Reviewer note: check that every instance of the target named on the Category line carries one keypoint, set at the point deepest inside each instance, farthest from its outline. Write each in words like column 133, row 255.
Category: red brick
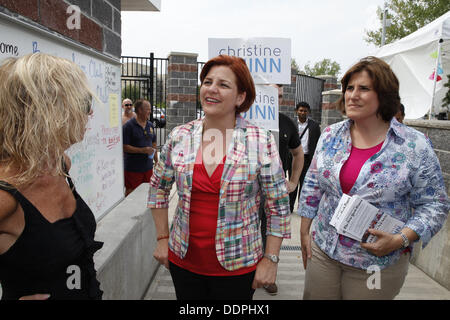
column 329, row 86
column 172, row 97
column 26, row 8
column 91, row 34
column 288, row 102
column 184, row 67
column 329, row 106
column 187, row 98
column 173, row 67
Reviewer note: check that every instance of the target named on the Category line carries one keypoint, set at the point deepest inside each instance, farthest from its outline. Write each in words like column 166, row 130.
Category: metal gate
column 309, row 89
column 146, row 78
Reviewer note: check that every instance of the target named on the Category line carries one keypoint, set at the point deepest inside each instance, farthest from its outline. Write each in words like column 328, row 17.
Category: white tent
column 414, row 60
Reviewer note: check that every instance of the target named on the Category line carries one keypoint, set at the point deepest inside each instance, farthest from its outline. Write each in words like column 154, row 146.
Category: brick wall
column 330, row 95
column 100, row 20
column 182, row 89
column 287, row 104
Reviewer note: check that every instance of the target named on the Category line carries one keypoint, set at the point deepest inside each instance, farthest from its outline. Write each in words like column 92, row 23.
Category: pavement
column 291, row 275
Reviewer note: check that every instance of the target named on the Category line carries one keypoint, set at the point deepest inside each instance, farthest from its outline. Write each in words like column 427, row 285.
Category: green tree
column 406, row 17
column 294, row 66
column 132, row 92
column 323, row 67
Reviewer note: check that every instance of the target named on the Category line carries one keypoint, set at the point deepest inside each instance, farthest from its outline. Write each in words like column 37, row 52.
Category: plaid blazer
column 252, row 166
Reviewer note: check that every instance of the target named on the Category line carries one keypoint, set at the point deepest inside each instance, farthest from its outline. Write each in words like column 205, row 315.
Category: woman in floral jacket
column 388, row 164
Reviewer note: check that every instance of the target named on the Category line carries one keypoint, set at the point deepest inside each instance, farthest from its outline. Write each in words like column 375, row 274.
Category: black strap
column 307, row 126
column 69, row 180
column 5, row 186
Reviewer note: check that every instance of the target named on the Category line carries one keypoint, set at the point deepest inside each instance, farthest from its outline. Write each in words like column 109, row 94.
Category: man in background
column 127, row 107
column 139, row 147
column 309, row 131
column 291, row 155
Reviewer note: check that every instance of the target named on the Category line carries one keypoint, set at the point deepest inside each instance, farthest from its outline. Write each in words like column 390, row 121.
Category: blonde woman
column 46, row 229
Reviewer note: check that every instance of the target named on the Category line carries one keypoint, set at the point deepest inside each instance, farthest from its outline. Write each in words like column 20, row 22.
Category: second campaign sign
column 268, row 59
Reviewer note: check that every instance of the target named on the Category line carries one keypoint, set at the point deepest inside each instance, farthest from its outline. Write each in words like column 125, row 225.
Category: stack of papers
column 354, row 215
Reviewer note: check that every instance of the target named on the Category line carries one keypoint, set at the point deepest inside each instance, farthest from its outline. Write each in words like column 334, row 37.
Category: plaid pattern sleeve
column 163, row 176
column 273, row 185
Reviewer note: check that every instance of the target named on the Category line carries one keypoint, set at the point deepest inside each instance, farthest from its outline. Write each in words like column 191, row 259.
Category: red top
column 351, row 168
column 201, row 256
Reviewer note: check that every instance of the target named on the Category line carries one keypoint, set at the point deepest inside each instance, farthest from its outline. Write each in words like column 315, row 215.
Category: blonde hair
column 44, row 106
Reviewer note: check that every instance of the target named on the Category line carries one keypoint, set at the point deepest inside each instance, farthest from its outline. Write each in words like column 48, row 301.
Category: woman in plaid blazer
column 214, row 248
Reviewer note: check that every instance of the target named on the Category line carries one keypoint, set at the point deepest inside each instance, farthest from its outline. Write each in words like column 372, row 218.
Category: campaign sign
column 268, row 59
column 264, row 111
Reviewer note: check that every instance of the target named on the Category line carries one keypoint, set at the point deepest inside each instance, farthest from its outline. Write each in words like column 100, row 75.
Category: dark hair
column 243, row 77
column 302, row 104
column 139, row 104
column 385, row 84
column 402, row 109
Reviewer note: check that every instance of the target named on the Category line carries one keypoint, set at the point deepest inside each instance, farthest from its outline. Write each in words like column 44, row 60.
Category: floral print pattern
column 403, row 177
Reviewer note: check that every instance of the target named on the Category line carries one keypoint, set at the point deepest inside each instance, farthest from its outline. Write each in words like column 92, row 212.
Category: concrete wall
column 125, row 265
column 434, row 260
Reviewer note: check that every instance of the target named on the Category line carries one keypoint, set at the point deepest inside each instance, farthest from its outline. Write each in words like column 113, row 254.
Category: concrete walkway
column 290, row 277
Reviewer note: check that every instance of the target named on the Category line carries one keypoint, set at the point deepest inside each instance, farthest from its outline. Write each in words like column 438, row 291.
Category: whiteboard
column 97, row 161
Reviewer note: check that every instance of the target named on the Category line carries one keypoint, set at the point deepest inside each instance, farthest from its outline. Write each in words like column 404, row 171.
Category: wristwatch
column 405, row 240
column 272, row 257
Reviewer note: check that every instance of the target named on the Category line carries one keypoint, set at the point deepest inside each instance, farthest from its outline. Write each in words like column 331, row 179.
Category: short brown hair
column 385, row 84
column 243, row 77
column 139, row 104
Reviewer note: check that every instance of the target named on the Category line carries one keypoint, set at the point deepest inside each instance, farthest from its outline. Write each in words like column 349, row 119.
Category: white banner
column 268, row 59
column 264, row 111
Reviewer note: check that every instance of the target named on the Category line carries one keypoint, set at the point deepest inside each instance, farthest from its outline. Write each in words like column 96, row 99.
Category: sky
column 318, row 29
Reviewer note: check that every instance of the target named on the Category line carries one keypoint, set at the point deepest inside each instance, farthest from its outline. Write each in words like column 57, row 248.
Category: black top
column 288, row 139
column 313, row 136
column 52, row 258
column 136, row 136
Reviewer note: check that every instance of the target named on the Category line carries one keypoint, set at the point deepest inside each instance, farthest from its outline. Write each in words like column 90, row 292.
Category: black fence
column 146, row 78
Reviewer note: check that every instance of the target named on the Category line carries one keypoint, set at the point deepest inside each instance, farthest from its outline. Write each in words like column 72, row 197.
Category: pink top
column 351, row 168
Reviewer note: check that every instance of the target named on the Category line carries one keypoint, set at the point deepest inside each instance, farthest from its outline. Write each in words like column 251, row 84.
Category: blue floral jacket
column 403, row 179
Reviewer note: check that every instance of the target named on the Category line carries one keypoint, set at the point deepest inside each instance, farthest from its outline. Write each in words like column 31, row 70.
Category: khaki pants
column 328, row 279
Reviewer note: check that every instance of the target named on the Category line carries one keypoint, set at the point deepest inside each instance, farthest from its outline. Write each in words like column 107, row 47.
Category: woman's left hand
column 385, row 243
column 266, row 273
column 290, row 186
